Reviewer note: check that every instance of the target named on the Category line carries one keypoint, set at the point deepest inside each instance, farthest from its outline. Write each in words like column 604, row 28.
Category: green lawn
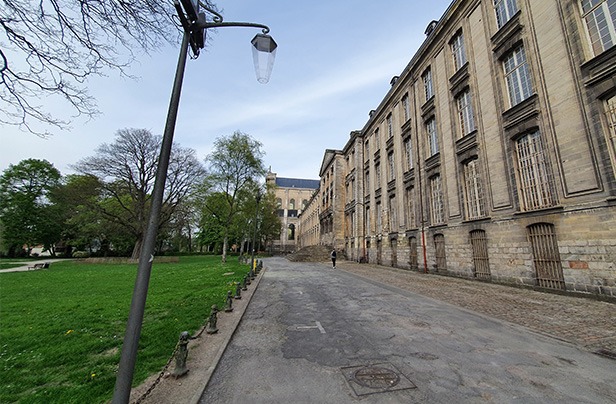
column 61, row 329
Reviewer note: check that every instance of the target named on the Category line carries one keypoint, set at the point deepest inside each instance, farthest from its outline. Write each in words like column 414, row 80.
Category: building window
column 410, row 208
column 304, row 204
column 367, row 182
column 458, row 52
column 367, row 150
column 406, row 108
column 393, row 217
column 427, row 82
column 432, row 136
column 291, row 232
column 610, row 106
column 390, row 126
column 505, row 9
column 479, row 244
column 473, row 193
column 465, row 113
column 413, row 253
column 377, row 139
column 437, row 210
column 367, row 224
column 292, row 204
column 600, row 18
column 517, row 76
column 439, row 247
column 546, row 258
column 391, row 172
column 379, row 218
column 408, row 154
column 535, row 180
column 377, row 171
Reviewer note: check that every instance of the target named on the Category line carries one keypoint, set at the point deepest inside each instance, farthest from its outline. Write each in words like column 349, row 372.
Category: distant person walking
column 333, row 255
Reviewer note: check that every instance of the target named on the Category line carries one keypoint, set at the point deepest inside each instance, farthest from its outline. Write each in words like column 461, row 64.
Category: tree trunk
column 137, row 249
column 225, row 243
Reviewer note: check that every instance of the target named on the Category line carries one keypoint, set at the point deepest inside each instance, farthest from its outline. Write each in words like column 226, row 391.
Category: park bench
column 42, row 265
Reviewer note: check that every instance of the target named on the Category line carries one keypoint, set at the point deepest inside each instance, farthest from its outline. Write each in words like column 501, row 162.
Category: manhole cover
column 376, row 378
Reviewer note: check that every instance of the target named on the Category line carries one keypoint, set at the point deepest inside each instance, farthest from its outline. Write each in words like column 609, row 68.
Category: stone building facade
column 493, row 155
column 292, row 196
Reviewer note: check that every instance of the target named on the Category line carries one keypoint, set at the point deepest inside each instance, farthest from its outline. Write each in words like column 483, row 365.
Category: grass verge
column 61, row 330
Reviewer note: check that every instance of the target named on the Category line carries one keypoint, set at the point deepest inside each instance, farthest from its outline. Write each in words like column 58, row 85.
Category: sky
column 334, row 63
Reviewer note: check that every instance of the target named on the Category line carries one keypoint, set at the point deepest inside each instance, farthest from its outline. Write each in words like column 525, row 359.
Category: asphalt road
column 316, row 335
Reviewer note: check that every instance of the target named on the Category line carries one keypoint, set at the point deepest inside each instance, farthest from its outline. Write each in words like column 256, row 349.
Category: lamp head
column 263, row 55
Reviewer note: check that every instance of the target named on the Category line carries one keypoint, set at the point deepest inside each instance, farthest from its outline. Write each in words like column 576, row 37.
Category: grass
column 61, row 330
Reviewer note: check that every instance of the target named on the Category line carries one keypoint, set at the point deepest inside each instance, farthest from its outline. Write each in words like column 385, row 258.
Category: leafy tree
column 270, row 224
column 24, row 205
column 126, row 170
column 50, row 48
column 234, row 166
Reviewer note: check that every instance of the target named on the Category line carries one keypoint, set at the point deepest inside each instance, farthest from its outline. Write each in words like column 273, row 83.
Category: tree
column 126, row 170
column 234, row 166
column 50, row 48
column 24, row 204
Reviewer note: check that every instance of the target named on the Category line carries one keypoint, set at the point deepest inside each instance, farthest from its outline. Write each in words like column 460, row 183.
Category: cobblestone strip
column 585, row 322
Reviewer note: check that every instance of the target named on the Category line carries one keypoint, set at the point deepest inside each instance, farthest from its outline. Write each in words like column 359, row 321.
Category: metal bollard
column 211, row 324
column 181, row 355
column 244, row 283
column 229, row 305
column 238, row 291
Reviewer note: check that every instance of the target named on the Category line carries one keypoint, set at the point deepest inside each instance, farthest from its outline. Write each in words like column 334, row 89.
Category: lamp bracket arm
column 217, row 16
column 206, row 25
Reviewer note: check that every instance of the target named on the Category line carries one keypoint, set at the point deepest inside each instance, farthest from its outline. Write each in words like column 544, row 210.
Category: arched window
column 291, row 232
column 292, row 204
column 304, row 204
column 279, row 203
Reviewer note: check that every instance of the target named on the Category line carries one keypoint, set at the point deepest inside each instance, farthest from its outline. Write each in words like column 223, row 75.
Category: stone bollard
column 181, row 355
column 229, row 305
column 247, row 277
column 244, row 283
column 238, row 291
column 211, row 324
column 251, row 274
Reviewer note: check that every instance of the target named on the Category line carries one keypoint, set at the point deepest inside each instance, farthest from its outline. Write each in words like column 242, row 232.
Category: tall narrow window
column 437, row 210
column 367, row 224
column 473, row 192
column 439, row 254
column 390, row 126
column 367, row 150
column 393, row 214
column 546, row 257
column 465, row 113
column 505, row 9
column 458, row 52
column 479, row 245
column 408, row 154
column 367, row 183
column 377, row 172
column 432, row 136
column 600, row 18
column 427, row 82
column 377, row 139
column 379, row 218
column 534, row 174
column 391, row 165
column 517, row 76
column 413, row 253
column 410, row 208
column 610, row 110
column 406, row 108
column 292, row 204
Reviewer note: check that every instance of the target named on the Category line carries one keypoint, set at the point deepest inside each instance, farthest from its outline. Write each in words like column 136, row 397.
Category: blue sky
column 333, row 65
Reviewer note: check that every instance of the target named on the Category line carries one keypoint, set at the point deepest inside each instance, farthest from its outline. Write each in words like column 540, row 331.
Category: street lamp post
column 194, row 25
column 254, row 234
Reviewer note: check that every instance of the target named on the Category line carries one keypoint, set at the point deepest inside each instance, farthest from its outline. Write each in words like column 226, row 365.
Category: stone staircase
column 314, row 253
